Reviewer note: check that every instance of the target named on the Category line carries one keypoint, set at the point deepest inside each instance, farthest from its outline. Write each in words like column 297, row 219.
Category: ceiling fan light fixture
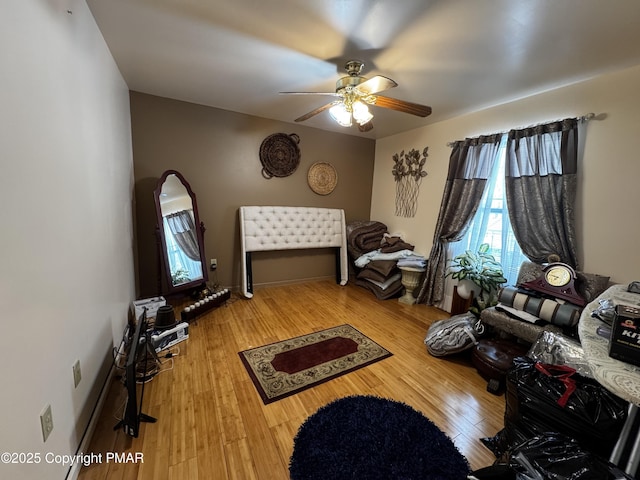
column 361, row 113
column 341, row 114
column 356, row 93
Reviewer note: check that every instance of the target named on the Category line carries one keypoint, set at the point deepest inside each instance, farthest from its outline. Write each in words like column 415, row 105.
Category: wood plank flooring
column 212, row 423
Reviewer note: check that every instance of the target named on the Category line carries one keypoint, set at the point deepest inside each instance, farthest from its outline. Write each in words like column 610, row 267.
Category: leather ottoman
column 493, row 358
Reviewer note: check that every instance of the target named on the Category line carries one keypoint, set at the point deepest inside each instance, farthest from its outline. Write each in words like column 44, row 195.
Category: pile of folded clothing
column 382, row 278
column 375, row 254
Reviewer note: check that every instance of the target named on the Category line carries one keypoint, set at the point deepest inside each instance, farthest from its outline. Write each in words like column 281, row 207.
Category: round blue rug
column 371, row 438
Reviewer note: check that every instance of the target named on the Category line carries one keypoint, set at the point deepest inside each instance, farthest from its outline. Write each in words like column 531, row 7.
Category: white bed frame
column 291, row 228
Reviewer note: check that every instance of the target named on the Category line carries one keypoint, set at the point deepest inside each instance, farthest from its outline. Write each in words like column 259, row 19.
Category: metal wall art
column 408, row 172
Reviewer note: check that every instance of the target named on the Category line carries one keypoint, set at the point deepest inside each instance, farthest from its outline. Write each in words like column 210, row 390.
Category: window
column 491, row 224
column 182, row 268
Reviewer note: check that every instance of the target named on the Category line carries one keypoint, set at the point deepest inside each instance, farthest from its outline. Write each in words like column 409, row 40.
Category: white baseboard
column 74, row 471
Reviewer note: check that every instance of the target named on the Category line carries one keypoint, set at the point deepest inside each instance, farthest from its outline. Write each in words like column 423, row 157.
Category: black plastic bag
column 556, row 457
column 544, row 398
column 494, row 472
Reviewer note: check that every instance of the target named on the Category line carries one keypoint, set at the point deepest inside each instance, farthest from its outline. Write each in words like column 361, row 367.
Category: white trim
column 74, row 471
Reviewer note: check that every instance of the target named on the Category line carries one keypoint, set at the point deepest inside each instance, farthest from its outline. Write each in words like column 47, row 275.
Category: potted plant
column 478, row 271
column 180, row 276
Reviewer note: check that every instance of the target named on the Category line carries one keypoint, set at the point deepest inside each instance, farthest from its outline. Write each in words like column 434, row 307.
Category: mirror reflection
column 180, row 231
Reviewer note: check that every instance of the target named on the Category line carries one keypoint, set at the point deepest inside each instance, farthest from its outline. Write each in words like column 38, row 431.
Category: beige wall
column 609, row 193
column 217, row 153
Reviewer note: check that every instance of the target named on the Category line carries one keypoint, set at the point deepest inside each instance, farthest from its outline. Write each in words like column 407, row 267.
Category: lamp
column 341, row 114
column 361, row 113
column 350, row 108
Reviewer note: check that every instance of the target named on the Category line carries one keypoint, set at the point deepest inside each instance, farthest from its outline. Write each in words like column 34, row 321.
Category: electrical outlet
column 77, row 374
column 46, row 422
column 214, row 263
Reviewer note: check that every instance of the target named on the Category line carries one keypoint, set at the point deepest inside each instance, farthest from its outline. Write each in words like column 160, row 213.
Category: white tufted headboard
column 291, row 228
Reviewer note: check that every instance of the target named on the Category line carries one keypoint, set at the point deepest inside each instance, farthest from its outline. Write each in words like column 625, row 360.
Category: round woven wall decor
column 322, row 178
column 280, row 155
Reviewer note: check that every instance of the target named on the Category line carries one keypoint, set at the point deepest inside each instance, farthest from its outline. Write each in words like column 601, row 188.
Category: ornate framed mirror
column 180, row 234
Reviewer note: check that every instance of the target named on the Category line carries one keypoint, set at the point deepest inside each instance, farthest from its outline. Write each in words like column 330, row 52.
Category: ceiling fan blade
column 366, row 127
column 318, row 110
column 334, row 94
column 402, row 106
column 376, row 84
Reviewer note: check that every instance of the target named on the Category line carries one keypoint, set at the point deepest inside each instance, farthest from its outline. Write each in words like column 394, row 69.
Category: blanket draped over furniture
column 267, row 228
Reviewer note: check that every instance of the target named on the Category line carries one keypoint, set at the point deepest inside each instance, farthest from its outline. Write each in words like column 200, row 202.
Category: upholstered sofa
column 590, row 286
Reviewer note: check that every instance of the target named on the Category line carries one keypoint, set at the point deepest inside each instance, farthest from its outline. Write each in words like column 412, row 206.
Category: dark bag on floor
column 544, row 398
column 556, row 457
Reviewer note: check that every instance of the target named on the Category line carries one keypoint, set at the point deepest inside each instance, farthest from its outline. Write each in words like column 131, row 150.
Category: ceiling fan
column 355, row 93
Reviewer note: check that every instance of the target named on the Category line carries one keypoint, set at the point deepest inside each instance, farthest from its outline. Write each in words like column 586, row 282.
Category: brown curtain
column 540, row 188
column 470, row 166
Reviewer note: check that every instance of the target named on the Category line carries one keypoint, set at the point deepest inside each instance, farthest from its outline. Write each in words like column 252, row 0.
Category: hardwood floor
column 212, row 423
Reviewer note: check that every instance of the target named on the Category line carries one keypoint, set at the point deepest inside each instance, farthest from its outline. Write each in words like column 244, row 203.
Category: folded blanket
column 396, row 247
column 384, row 267
column 364, row 236
column 553, row 311
column 385, row 284
column 391, row 244
column 393, row 290
column 416, row 261
column 369, row 274
column 362, row 260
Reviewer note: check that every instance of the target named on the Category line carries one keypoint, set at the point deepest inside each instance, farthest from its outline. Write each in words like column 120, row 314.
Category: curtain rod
column 583, row 118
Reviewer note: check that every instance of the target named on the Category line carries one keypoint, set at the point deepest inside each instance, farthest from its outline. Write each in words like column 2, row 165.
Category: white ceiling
column 457, row 56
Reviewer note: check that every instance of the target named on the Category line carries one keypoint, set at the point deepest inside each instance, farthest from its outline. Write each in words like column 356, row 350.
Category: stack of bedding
column 375, row 254
column 364, row 236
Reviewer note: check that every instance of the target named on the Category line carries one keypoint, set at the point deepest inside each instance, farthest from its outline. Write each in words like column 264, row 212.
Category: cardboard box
column 624, row 343
column 152, row 305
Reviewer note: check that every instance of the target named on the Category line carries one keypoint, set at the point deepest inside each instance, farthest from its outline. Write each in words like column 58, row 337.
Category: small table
column 620, row 378
column 410, row 280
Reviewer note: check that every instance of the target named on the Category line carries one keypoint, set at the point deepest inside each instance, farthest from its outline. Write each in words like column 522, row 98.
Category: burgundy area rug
column 284, row 368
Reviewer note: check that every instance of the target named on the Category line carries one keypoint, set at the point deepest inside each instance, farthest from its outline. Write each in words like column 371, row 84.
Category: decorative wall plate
column 322, row 178
column 280, row 155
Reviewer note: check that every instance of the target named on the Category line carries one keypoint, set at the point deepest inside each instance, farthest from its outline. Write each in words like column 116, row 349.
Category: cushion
column 590, row 285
